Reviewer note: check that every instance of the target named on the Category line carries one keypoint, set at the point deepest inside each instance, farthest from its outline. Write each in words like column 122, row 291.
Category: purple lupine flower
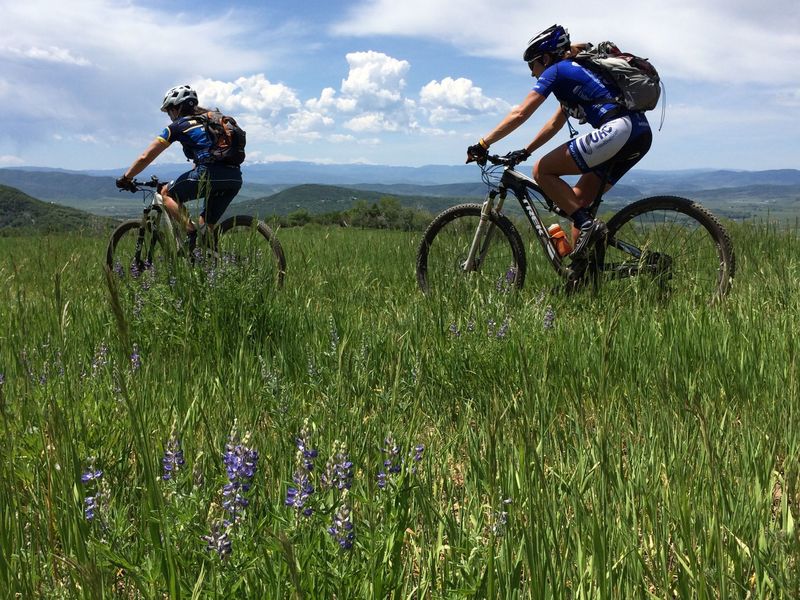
column 119, row 270
column 90, row 506
column 549, row 318
column 136, row 359
column 298, row 495
column 218, row 541
column 100, row 358
column 490, row 325
column 501, row 333
column 419, row 449
column 304, row 449
column 173, row 459
column 338, row 470
column 2, row 379
column 342, row 529
column 454, row 330
column 91, row 475
column 501, row 519
column 240, row 465
column 392, row 463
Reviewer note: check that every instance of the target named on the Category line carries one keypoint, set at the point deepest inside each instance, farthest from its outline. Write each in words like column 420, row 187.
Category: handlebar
column 137, row 186
column 496, row 159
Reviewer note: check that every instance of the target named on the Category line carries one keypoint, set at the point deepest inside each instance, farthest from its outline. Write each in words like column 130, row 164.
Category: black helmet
column 178, row 95
column 553, row 40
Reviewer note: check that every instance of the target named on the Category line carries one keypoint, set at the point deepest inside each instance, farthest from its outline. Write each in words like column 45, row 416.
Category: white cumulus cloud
column 458, row 100
column 375, row 79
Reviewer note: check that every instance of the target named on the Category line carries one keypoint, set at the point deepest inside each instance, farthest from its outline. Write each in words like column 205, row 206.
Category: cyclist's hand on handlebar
column 518, row 156
column 124, row 183
column 477, row 152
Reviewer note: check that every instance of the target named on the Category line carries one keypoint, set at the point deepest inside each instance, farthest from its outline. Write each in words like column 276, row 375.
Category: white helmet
column 178, row 95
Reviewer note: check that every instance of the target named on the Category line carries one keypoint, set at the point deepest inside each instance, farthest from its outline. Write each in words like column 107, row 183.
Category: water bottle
column 559, row 239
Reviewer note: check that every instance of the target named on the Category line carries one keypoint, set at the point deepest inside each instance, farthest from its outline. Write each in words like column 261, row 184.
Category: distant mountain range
column 736, row 194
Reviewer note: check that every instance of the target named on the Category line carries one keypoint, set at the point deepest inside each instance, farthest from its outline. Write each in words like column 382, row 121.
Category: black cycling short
column 216, row 183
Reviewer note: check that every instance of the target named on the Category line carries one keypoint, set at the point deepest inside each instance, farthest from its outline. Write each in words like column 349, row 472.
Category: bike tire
column 244, row 239
column 684, row 247
column 445, row 246
column 122, row 256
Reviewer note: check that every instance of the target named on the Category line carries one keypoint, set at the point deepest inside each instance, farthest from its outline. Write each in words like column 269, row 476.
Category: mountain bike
column 664, row 243
column 240, row 241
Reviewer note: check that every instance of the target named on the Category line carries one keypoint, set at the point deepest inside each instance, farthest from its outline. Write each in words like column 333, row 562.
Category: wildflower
column 218, row 541
column 549, row 318
column 240, row 464
column 338, row 470
column 100, row 359
column 454, row 330
column 392, row 463
column 90, row 503
column 501, row 519
column 342, row 529
column 298, row 495
column 501, row 333
column 419, row 450
column 136, row 359
column 173, row 459
column 91, row 475
column 334, row 334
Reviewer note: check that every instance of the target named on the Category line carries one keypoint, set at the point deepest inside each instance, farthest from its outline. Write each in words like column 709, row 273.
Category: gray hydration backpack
column 636, row 79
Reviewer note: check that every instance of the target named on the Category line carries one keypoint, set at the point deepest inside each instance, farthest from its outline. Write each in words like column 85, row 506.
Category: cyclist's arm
column 518, row 115
column 547, row 132
column 156, row 147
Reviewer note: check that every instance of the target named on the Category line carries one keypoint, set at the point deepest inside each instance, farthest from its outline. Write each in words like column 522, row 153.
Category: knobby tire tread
column 502, row 222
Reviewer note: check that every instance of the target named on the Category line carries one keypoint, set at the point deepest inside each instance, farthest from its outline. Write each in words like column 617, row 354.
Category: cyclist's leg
column 177, row 192
column 548, row 172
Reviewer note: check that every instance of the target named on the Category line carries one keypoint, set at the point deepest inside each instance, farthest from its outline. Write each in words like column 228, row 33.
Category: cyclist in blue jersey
column 217, row 183
column 619, row 140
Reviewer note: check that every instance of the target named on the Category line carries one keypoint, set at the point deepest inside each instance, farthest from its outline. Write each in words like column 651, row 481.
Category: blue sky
column 381, row 81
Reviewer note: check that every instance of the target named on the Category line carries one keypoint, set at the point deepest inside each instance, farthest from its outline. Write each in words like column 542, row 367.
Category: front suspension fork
column 484, row 232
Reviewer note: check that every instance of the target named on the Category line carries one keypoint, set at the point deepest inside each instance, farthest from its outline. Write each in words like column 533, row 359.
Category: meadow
column 347, row 437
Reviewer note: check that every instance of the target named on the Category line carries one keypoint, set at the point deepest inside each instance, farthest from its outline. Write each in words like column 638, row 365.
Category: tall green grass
column 596, row 446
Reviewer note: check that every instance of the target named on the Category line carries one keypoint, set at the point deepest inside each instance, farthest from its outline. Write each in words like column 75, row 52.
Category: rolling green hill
column 21, row 214
column 317, row 199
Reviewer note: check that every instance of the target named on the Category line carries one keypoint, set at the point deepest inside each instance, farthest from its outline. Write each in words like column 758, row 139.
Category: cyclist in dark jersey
column 619, row 140
column 217, row 183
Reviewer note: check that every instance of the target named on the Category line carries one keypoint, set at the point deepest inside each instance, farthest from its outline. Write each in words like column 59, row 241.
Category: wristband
column 483, row 143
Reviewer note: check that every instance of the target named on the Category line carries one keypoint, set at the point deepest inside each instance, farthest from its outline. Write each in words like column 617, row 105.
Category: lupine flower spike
column 342, row 529
column 298, row 495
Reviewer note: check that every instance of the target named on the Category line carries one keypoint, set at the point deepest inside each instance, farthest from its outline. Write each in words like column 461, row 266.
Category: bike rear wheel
column 499, row 262
column 669, row 245
column 250, row 246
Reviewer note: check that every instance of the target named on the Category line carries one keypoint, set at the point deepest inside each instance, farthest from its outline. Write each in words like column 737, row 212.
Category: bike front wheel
column 250, row 246
column 134, row 248
column 453, row 237
column 670, row 245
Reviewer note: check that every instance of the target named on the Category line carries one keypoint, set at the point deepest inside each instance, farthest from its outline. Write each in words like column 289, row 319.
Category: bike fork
column 483, row 236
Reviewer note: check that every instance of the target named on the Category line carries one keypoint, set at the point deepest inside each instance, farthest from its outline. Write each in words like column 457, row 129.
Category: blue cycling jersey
column 191, row 132
column 584, row 94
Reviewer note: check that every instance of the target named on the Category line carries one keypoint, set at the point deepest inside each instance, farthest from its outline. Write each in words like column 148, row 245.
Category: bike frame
column 521, row 187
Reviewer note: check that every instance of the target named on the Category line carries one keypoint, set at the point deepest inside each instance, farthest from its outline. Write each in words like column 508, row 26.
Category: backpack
column 636, row 78
column 227, row 138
